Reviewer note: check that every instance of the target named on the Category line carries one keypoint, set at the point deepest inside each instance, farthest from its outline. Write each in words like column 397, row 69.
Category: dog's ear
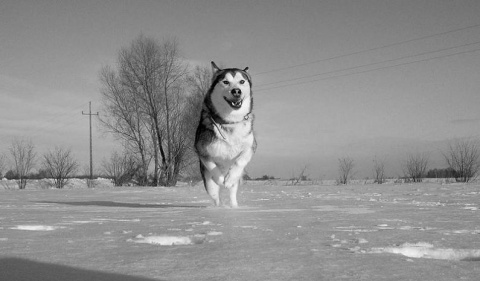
column 215, row 68
column 245, row 69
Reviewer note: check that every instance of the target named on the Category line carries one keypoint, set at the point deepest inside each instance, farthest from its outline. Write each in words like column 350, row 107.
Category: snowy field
column 425, row 231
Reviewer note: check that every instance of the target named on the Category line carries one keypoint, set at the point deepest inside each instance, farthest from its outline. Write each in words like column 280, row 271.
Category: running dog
column 224, row 140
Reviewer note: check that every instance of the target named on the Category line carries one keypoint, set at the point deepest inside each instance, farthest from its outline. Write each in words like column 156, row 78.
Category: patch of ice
column 3, row 239
column 36, row 227
column 117, row 220
column 214, row 233
column 247, row 226
column 200, row 223
column 384, row 226
column 361, row 241
column 162, row 240
column 101, row 221
column 428, row 251
column 354, row 229
column 462, row 231
column 351, row 210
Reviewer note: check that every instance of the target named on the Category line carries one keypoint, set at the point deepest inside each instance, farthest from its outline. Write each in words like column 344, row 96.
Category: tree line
column 57, row 164
column 462, row 159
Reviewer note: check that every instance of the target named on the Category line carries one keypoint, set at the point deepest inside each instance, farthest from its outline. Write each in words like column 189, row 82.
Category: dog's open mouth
column 234, row 103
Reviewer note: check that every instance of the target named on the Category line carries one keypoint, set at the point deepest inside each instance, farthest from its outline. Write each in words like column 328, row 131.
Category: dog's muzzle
column 234, row 103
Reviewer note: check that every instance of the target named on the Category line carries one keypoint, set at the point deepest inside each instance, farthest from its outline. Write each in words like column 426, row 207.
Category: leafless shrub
column 378, row 171
column 300, row 176
column 23, row 156
column 463, row 156
column 345, row 169
column 120, row 168
column 415, row 167
column 60, row 165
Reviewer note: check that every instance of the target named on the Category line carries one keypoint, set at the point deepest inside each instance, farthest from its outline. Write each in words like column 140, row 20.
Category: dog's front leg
column 216, row 173
column 236, row 170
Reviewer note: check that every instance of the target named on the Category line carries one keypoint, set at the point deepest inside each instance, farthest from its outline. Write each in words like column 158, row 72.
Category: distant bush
column 265, row 178
column 11, row 175
column 442, row 173
column 415, row 167
column 463, row 157
column 121, row 168
column 345, row 170
column 59, row 165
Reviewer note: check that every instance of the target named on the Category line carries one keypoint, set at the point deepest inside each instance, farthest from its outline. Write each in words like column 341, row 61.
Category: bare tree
column 23, row 156
column 200, row 80
column 415, row 167
column 463, row 156
column 60, row 165
column 120, row 168
column 125, row 119
column 149, row 94
column 345, row 169
column 379, row 170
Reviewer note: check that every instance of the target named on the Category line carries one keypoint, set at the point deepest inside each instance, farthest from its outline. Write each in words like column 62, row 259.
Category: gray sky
column 319, row 93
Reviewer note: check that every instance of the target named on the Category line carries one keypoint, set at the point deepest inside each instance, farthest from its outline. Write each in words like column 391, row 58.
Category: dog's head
column 230, row 94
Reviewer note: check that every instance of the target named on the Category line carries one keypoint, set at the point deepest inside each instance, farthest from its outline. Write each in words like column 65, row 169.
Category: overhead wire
column 69, row 114
column 368, row 70
column 368, row 50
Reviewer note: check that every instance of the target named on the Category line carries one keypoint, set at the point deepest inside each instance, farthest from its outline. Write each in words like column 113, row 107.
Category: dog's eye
column 226, row 82
column 242, row 82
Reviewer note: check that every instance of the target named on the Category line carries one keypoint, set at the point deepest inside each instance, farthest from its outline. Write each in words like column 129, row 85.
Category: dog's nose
column 236, row 92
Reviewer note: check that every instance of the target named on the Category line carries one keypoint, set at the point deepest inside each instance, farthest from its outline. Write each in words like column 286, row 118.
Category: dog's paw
column 231, row 181
column 219, row 180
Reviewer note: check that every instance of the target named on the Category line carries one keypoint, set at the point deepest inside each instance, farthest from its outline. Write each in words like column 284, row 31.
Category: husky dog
column 224, row 141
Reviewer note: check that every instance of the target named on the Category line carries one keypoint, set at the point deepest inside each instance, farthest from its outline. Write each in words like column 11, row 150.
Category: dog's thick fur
column 225, row 141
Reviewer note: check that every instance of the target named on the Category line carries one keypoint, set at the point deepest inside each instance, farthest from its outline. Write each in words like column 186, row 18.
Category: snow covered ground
column 427, row 231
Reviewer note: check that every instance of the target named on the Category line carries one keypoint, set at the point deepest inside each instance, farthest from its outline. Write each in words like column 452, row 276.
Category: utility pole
column 91, row 154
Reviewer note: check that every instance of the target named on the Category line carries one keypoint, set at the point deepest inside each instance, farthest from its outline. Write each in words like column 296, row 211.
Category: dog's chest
column 231, row 141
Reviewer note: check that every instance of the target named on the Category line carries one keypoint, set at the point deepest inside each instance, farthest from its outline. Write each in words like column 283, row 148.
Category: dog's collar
column 219, row 120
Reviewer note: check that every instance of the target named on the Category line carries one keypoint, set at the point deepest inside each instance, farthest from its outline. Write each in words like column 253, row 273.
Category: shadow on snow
column 17, row 269
column 120, row 204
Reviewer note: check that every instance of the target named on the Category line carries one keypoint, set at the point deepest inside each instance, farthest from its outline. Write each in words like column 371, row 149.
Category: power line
column 371, row 64
column 368, row 50
column 366, row 71
column 46, row 125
